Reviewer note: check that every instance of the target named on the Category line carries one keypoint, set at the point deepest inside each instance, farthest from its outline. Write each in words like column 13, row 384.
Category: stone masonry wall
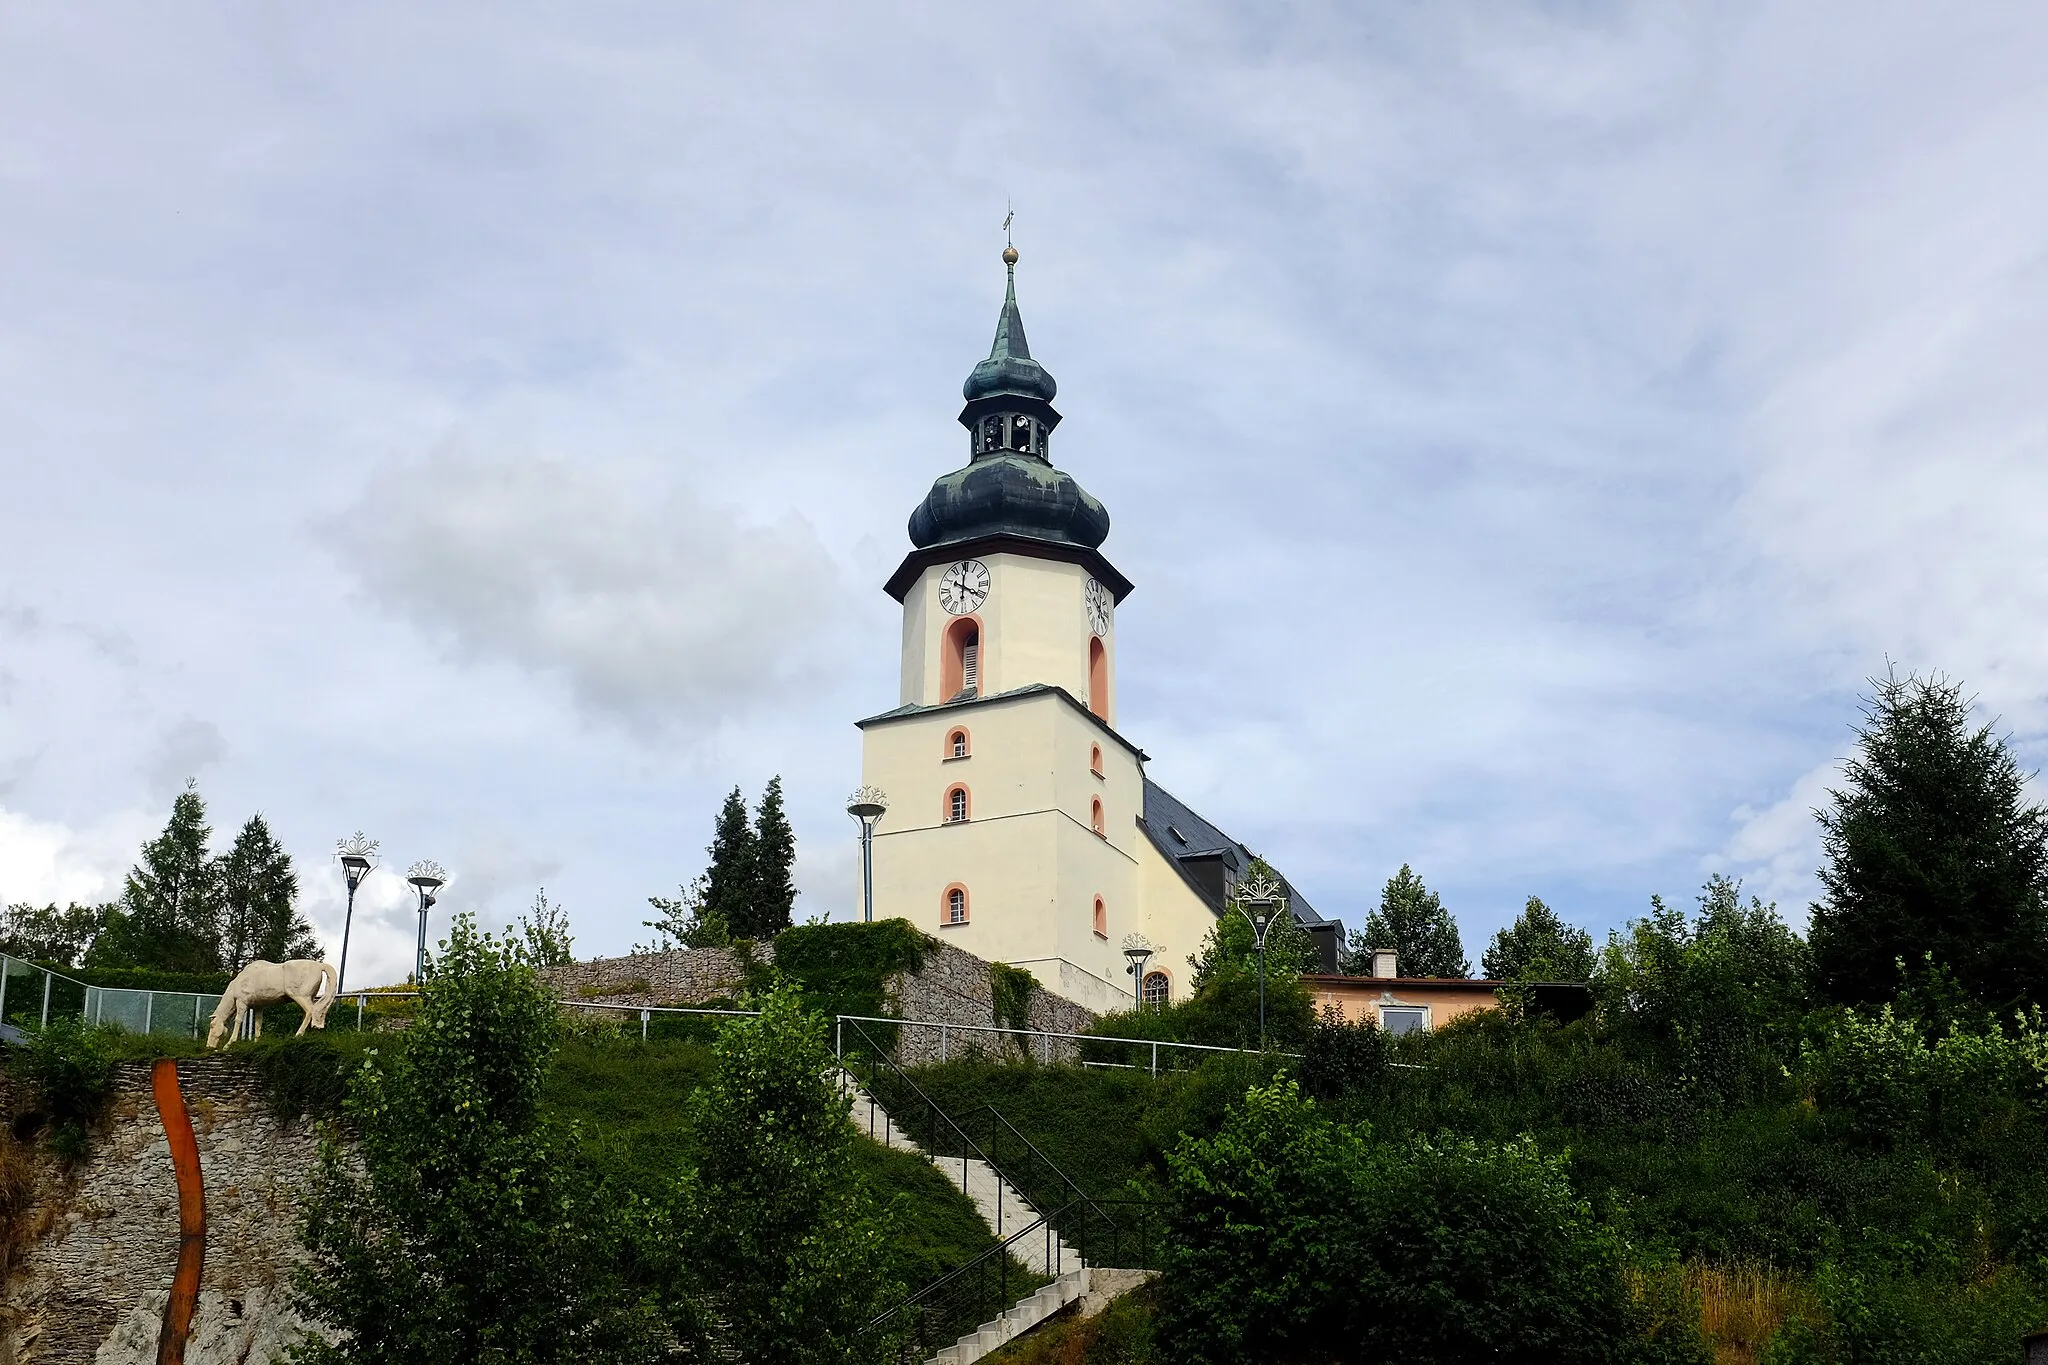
column 953, row 988
column 90, row 1288
column 680, row 976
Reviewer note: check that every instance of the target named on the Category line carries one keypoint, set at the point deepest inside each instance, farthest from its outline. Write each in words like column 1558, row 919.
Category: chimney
column 1383, row 962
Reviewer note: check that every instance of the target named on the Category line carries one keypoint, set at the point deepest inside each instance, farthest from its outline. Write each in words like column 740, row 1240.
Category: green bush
column 71, row 1065
column 1297, row 1238
column 844, row 968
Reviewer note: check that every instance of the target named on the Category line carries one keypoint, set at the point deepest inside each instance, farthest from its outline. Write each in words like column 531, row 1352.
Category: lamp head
column 869, row 803
column 426, row 878
column 357, row 854
column 354, row 869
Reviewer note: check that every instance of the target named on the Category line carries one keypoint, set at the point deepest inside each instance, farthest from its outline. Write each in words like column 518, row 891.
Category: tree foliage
column 51, row 933
column 544, row 937
column 789, row 1248
column 1931, row 848
column 259, row 917
column 772, row 899
column 1295, row 1238
column 729, row 880
column 1411, row 920
column 459, row 1226
column 170, row 913
column 684, row 922
column 1539, row 946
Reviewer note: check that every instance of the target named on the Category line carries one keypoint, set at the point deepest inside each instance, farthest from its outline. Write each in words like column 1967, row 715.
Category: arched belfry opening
column 960, row 664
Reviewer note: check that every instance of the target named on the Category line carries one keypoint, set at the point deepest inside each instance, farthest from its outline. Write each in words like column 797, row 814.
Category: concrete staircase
column 1006, row 1212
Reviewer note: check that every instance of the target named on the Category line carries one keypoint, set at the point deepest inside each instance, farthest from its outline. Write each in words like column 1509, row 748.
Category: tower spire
column 1009, row 369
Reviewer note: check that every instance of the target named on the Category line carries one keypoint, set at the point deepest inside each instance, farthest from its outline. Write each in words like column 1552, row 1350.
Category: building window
column 1157, row 989
column 1095, row 759
column 1400, row 1019
column 1101, row 919
column 955, row 906
column 960, row 660
column 956, row 805
column 1095, row 817
column 1098, row 677
column 956, row 744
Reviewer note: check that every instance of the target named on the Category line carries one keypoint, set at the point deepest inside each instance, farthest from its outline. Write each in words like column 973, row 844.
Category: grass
column 1121, row 1334
column 1743, row 1306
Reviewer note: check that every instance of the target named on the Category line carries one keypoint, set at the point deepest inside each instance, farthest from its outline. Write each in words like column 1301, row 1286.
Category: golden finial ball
column 1009, row 255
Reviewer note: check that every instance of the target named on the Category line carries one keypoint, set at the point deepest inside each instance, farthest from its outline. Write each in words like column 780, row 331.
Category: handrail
column 1001, row 1248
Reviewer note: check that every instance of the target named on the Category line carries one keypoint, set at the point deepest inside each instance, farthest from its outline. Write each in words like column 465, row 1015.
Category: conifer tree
column 729, row 881
column 171, row 903
column 773, row 902
column 1932, row 850
column 1413, row 922
column 258, row 901
column 1539, row 946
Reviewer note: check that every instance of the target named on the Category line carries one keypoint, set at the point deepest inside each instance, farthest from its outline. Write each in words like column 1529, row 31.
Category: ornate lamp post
column 1137, row 950
column 1258, row 898
column 426, row 877
column 358, row 855
column 867, row 806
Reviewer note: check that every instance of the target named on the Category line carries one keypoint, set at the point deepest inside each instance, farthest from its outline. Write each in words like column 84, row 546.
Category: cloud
column 184, row 750
column 1776, row 850
column 46, row 861
column 652, row 603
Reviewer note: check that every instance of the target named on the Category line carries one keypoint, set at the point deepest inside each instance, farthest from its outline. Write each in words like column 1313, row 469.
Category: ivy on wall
column 1011, row 988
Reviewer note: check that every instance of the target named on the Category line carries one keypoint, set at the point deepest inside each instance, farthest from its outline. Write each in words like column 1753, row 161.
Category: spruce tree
column 729, row 881
column 1539, row 946
column 774, row 896
column 1413, row 922
column 1932, row 851
column 258, row 899
column 171, row 902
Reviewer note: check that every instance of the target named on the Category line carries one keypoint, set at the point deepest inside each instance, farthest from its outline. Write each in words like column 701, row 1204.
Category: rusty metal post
column 178, row 1309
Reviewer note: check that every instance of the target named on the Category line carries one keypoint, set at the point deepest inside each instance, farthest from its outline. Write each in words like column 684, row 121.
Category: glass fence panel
column 180, row 1014
column 21, row 997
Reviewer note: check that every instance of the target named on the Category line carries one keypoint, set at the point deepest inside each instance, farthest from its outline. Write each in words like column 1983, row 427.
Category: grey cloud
column 184, row 750
column 651, row 602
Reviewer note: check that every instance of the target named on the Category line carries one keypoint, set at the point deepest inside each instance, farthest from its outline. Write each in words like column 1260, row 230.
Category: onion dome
column 1009, row 486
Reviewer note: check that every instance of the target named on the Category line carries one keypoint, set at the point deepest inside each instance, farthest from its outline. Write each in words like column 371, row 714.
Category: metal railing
column 1046, row 1038
column 33, row 994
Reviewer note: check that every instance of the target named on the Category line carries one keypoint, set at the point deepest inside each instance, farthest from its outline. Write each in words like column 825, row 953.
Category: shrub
column 1343, row 1058
column 459, row 1226
column 71, row 1064
column 1298, row 1239
column 844, row 968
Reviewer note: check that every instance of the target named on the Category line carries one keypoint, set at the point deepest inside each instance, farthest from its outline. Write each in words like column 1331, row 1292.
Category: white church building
column 1021, row 826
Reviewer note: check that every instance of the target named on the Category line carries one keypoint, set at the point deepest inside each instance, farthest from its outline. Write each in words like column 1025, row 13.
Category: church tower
column 1020, row 823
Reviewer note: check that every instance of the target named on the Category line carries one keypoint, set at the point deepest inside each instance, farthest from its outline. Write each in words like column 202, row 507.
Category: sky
column 489, row 426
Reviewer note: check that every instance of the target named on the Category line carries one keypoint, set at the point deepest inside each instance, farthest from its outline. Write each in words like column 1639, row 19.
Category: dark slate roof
column 1209, row 860
column 1009, row 368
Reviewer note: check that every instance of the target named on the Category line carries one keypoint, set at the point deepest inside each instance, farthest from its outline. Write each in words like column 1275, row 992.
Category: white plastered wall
column 1028, row 857
column 1034, row 629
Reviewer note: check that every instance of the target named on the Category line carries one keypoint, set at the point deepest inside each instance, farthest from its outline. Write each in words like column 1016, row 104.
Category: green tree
column 1539, row 946
column 49, row 933
column 772, row 901
column 729, row 881
column 458, row 1225
column 544, row 937
column 786, row 1242
column 1411, row 920
column 259, row 917
column 170, row 908
column 1293, row 1238
column 684, row 922
column 1931, row 849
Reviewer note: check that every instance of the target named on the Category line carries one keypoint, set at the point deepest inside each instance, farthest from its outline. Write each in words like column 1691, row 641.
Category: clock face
column 964, row 588
column 1099, row 603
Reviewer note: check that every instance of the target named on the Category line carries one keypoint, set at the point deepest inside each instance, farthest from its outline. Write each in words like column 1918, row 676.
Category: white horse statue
column 266, row 983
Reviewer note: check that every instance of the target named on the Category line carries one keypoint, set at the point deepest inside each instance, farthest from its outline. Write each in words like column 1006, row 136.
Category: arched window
column 956, row 804
column 1098, row 677
column 1095, row 759
column 1095, row 817
column 1157, row 989
column 956, row 744
column 955, row 903
column 1101, row 919
column 960, row 660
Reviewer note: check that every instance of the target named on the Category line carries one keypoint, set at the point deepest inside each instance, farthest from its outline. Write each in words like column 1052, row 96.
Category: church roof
column 1209, row 860
column 1009, row 368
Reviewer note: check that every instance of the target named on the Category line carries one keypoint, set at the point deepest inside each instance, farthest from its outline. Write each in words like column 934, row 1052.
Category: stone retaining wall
column 954, row 988
column 680, row 976
column 90, row 1288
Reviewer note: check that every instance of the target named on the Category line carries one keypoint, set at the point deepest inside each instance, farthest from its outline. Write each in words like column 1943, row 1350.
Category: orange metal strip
column 170, row 1105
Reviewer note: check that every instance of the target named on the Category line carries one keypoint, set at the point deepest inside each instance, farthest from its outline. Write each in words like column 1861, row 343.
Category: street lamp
column 1260, row 900
column 867, row 806
column 1137, row 950
column 426, row 878
column 358, row 854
